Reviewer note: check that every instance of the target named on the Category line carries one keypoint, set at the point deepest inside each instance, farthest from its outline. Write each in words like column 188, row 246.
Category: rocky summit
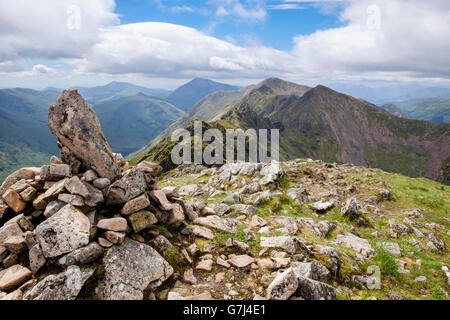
column 89, row 226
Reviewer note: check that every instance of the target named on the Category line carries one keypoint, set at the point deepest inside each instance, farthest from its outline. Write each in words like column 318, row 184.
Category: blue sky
column 276, row 30
column 164, row 43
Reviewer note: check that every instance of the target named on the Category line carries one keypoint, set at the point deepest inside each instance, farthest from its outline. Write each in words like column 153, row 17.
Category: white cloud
column 382, row 38
column 158, row 49
column 42, row 69
column 249, row 10
column 403, row 40
column 51, row 29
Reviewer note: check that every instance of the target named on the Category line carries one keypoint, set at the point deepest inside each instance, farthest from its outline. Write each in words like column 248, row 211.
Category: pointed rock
column 80, row 136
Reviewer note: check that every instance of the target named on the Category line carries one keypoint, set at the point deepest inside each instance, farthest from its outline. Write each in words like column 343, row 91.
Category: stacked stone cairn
column 83, row 218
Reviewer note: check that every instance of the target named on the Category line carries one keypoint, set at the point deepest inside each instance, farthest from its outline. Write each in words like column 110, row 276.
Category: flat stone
column 102, row 183
column 356, row 243
column 131, row 185
column 83, row 255
column 188, row 189
column 136, row 204
column 80, row 136
column 142, row 220
column 202, row 296
column 392, row 247
column 73, row 199
column 223, row 224
column 75, row 186
column 283, row 242
column 15, row 244
column 309, row 289
column 51, row 194
column 160, row 197
column 131, row 268
column 28, row 194
column 205, row 265
column 113, row 224
column 283, row 286
column 115, row 237
column 14, row 200
column 13, row 277
column 322, row 206
column 63, row 286
column 63, row 232
column 55, row 172
column 150, row 167
column 241, row 261
column 9, row 230
column 202, row 232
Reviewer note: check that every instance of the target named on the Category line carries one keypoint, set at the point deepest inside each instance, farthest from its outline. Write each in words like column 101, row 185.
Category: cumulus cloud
column 382, row 37
column 157, row 49
column 51, row 29
column 378, row 40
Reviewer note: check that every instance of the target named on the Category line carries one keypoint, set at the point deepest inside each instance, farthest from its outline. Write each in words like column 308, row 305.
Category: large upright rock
column 80, row 136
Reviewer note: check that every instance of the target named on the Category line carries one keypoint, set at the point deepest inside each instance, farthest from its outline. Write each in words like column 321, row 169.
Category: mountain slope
column 116, row 90
column 393, row 109
column 324, row 124
column 25, row 139
column 213, row 106
column 436, row 110
column 186, row 96
column 130, row 122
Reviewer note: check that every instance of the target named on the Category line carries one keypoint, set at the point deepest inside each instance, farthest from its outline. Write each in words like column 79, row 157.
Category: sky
column 164, row 43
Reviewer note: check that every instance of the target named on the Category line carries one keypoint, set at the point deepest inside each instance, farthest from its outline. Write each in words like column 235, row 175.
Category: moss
column 88, row 290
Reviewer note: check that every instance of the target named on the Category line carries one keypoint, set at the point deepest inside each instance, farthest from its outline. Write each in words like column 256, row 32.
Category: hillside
column 25, row 139
column 117, row 90
column 323, row 124
column 186, row 96
column 130, row 122
column 436, row 110
column 89, row 226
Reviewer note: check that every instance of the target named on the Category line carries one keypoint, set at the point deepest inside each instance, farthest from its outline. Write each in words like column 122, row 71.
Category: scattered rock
column 63, row 286
column 131, row 268
column 283, row 286
column 283, row 242
column 392, row 247
column 13, row 277
column 356, row 243
column 241, row 261
column 223, row 224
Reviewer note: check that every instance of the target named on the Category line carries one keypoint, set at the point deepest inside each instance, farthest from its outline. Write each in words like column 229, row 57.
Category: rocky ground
column 89, row 226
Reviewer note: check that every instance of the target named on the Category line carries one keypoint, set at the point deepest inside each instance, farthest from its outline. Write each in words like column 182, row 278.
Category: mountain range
column 130, row 116
column 436, row 110
column 321, row 123
column 186, row 96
